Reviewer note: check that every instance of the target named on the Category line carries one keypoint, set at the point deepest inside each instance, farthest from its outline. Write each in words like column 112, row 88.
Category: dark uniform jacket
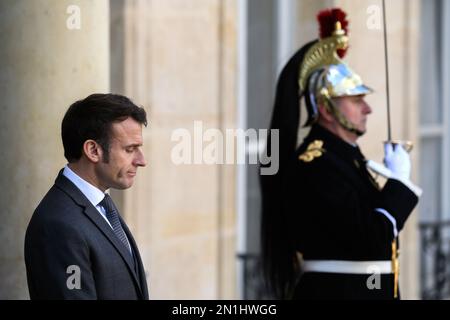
column 338, row 219
column 67, row 230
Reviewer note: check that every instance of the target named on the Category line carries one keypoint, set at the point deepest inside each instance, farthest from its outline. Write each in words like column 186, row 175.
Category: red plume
column 327, row 21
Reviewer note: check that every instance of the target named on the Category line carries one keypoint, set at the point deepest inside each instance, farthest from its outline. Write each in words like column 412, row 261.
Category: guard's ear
column 92, row 150
column 325, row 114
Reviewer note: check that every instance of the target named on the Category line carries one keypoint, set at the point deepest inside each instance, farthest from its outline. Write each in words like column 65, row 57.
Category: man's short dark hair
column 91, row 118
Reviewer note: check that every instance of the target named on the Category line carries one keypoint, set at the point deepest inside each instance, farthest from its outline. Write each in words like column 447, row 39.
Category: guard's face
column 125, row 156
column 355, row 109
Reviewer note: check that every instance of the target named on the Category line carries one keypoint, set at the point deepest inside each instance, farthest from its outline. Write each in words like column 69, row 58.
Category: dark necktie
column 113, row 218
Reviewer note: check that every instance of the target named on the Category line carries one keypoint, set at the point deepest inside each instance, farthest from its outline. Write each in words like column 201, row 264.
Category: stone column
column 53, row 52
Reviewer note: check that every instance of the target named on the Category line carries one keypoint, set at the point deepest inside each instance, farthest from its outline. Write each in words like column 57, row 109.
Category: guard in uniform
column 329, row 231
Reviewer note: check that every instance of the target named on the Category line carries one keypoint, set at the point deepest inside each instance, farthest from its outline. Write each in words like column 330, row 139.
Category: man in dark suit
column 77, row 246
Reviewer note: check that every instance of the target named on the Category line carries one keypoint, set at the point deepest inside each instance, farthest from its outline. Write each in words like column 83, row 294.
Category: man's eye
column 129, row 150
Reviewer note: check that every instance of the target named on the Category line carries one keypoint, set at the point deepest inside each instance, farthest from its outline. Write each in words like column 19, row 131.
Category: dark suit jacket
column 67, row 230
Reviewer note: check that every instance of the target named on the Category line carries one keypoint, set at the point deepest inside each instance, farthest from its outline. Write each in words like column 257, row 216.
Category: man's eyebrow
column 133, row 145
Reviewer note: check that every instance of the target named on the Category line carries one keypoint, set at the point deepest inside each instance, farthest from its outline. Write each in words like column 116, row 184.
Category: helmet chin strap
column 342, row 120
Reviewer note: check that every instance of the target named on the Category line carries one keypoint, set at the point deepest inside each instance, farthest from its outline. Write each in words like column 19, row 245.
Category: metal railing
column 435, row 260
column 254, row 288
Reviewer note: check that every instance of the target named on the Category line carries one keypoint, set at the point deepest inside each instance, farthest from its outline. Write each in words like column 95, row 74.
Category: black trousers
column 338, row 286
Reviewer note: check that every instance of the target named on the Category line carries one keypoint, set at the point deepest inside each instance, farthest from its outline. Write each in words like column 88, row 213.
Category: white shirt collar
column 94, row 195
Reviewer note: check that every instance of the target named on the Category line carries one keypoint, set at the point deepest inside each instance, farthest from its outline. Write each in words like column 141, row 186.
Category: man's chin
column 123, row 186
column 361, row 130
column 360, row 133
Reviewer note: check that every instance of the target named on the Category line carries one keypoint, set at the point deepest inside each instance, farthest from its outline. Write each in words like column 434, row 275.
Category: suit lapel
column 101, row 224
column 91, row 212
column 139, row 264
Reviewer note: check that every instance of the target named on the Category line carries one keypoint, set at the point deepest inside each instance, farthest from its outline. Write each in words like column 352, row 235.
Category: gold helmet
column 323, row 75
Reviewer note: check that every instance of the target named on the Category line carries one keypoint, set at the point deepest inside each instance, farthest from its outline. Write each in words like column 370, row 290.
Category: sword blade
column 386, row 59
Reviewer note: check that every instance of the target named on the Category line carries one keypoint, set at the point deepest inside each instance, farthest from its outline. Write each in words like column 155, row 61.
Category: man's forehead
column 128, row 124
column 128, row 128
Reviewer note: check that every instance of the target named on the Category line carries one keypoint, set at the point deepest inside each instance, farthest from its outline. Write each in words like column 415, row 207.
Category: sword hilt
column 406, row 144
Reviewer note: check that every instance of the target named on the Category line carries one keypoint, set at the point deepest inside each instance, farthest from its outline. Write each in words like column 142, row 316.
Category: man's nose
column 140, row 159
column 367, row 109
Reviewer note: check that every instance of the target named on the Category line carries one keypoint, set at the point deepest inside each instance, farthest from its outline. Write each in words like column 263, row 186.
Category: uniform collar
column 334, row 143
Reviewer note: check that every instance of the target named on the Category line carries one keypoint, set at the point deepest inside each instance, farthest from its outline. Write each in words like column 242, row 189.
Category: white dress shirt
column 94, row 195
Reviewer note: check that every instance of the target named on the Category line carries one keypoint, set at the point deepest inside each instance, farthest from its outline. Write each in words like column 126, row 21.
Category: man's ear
column 325, row 113
column 92, row 151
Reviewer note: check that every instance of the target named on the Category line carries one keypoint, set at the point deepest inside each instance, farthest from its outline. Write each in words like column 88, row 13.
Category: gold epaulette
column 313, row 151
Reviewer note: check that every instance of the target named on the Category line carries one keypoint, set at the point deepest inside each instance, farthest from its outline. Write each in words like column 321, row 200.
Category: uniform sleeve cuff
column 411, row 186
column 385, row 172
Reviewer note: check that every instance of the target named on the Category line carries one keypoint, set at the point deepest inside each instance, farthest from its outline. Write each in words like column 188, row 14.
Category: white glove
column 397, row 160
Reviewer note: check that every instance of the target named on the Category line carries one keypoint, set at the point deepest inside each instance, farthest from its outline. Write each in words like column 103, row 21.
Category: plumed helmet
column 323, row 74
